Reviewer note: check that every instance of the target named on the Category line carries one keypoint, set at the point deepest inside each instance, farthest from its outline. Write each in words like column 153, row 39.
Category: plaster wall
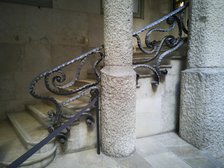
column 35, row 39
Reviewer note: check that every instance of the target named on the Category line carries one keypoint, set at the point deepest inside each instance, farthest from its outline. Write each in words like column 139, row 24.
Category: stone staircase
column 19, row 133
column 22, row 130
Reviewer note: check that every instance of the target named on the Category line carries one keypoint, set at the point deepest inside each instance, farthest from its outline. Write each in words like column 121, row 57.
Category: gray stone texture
column 202, row 118
column 151, row 152
column 206, row 34
column 118, row 80
column 118, row 22
column 29, row 35
column 33, row 40
column 118, row 111
column 201, row 115
column 157, row 110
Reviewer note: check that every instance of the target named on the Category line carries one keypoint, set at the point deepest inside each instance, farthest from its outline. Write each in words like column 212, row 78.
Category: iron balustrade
column 55, row 79
column 156, row 48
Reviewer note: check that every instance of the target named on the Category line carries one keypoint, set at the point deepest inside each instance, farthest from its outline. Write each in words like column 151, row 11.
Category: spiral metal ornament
column 155, row 49
column 55, row 83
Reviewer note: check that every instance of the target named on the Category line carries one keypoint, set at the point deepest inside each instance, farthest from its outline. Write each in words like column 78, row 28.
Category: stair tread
column 42, row 107
column 81, row 102
column 10, row 145
column 30, row 125
column 11, row 148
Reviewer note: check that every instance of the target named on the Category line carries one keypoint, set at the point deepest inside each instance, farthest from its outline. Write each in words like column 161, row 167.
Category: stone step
column 77, row 104
column 11, row 148
column 29, row 130
column 81, row 136
column 40, row 112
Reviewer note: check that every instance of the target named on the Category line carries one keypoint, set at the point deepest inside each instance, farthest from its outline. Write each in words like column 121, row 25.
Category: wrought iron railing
column 158, row 50
column 55, row 80
column 56, row 83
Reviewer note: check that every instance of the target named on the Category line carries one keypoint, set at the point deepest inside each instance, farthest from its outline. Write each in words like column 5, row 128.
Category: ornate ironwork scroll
column 158, row 50
column 55, row 82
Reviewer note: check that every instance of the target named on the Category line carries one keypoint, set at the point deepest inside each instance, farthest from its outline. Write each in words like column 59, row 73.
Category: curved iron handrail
column 154, row 48
column 54, row 80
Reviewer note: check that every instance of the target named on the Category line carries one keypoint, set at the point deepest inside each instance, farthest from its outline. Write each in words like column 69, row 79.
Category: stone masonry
column 202, row 88
column 118, row 80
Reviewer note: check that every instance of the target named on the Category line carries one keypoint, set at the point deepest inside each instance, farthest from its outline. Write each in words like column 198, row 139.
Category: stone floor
column 160, row 151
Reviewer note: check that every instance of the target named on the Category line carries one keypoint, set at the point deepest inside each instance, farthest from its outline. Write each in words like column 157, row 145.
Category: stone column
column 118, row 80
column 202, row 88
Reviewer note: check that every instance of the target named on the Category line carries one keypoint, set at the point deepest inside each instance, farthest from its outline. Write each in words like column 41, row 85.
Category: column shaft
column 118, row 81
column 202, row 84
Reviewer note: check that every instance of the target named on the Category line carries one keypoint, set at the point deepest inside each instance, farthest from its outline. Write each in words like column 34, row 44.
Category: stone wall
column 157, row 108
column 35, row 39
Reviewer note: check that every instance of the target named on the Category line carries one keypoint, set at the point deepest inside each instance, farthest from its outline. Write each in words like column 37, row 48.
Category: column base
column 118, row 110
column 201, row 112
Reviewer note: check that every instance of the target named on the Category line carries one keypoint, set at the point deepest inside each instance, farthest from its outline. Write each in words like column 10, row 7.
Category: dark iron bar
column 52, row 135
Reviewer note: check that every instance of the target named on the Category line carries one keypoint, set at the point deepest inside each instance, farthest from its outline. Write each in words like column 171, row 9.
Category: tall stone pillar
column 118, row 80
column 202, row 88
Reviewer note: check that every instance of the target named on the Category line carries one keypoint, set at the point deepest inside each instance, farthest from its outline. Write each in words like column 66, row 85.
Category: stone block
column 95, row 30
column 37, row 58
column 118, row 110
column 148, row 146
column 166, row 160
column 85, row 159
column 93, row 7
column 199, row 162
column 70, row 5
column 22, row 82
column 169, row 111
column 206, row 34
column 169, row 139
column 63, row 53
column 68, row 28
column 201, row 113
column 185, row 151
column 133, row 161
column 7, row 86
column 156, row 110
column 148, row 122
column 221, row 160
column 11, row 56
column 12, row 23
column 81, row 137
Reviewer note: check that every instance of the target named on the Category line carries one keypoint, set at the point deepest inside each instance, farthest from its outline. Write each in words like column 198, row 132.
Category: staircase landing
column 160, row 151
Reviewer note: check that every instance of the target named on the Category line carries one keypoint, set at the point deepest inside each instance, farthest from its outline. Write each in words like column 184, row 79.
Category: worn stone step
column 77, row 104
column 40, row 112
column 11, row 148
column 29, row 130
column 81, row 136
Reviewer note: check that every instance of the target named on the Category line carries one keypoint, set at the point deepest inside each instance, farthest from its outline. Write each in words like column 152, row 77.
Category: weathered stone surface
column 133, row 161
column 118, row 21
column 118, row 80
column 206, row 34
column 81, row 137
column 149, row 146
column 11, row 56
column 202, row 117
column 118, row 110
column 84, row 159
column 37, row 57
column 157, row 110
column 166, row 160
